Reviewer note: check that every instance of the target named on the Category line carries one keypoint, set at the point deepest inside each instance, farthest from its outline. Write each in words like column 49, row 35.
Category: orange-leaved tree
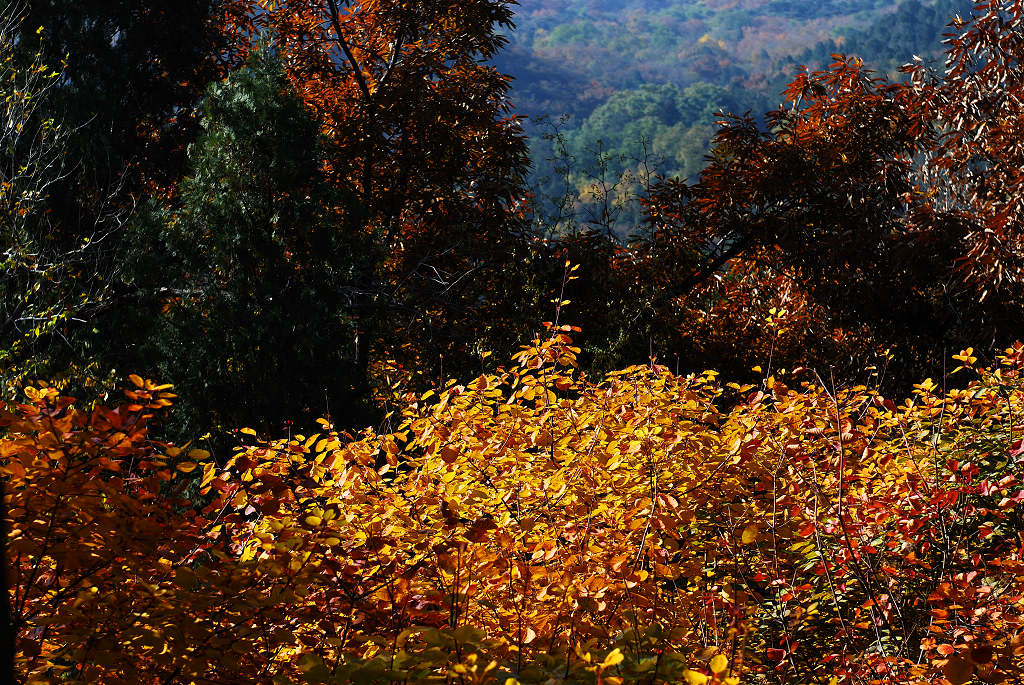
column 423, row 135
column 94, row 525
column 888, row 207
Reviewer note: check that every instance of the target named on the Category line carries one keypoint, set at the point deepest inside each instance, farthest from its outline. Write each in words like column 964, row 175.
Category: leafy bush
column 645, row 527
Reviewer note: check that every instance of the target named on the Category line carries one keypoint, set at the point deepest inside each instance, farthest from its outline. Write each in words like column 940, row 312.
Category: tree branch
column 340, row 37
column 393, row 62
column 715, row 262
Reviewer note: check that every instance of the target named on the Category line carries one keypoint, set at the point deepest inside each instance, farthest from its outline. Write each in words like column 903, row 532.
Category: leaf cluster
column 533, row 524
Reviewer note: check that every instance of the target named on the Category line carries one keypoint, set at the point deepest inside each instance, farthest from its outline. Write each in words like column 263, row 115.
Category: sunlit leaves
column 537, row 502
column 880, row 213
column 422, row 134
column 616, row 529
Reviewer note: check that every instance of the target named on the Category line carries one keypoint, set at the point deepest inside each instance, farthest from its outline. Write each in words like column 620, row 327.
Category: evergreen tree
column 260, row 255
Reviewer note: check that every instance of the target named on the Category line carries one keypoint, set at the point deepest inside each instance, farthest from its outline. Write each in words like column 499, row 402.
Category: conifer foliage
column 255, row 268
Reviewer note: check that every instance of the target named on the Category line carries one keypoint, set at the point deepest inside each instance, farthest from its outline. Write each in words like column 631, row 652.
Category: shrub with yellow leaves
column 534, row 525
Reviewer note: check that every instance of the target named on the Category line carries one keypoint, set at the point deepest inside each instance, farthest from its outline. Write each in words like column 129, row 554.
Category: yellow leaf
column 614, row 658
column 694, row 677
column 719, row 664
column 187, row 466
column 749, row 534
column 209, row 472
column 313, row 521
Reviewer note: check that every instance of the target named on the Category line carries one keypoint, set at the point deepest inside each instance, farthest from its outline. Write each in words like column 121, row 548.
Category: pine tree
column 256, row 264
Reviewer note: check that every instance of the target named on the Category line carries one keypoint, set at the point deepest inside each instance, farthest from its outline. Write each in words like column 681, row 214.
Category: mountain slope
column 645, row 79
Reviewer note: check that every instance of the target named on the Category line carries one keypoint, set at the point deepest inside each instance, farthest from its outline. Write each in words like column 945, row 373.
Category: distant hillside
column 569, row 54
column 636, row 75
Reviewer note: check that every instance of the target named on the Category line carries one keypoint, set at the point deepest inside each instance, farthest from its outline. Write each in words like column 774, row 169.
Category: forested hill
column 632, row 70
column 597, row 47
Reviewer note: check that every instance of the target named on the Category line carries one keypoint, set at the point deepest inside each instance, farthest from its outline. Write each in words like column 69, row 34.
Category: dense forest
column 616, row 90
column 325, row 358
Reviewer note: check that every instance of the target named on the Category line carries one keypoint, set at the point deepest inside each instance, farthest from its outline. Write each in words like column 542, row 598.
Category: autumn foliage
column 640, row 527
column 355, row 218
column 422, row 133
column 883, row 210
